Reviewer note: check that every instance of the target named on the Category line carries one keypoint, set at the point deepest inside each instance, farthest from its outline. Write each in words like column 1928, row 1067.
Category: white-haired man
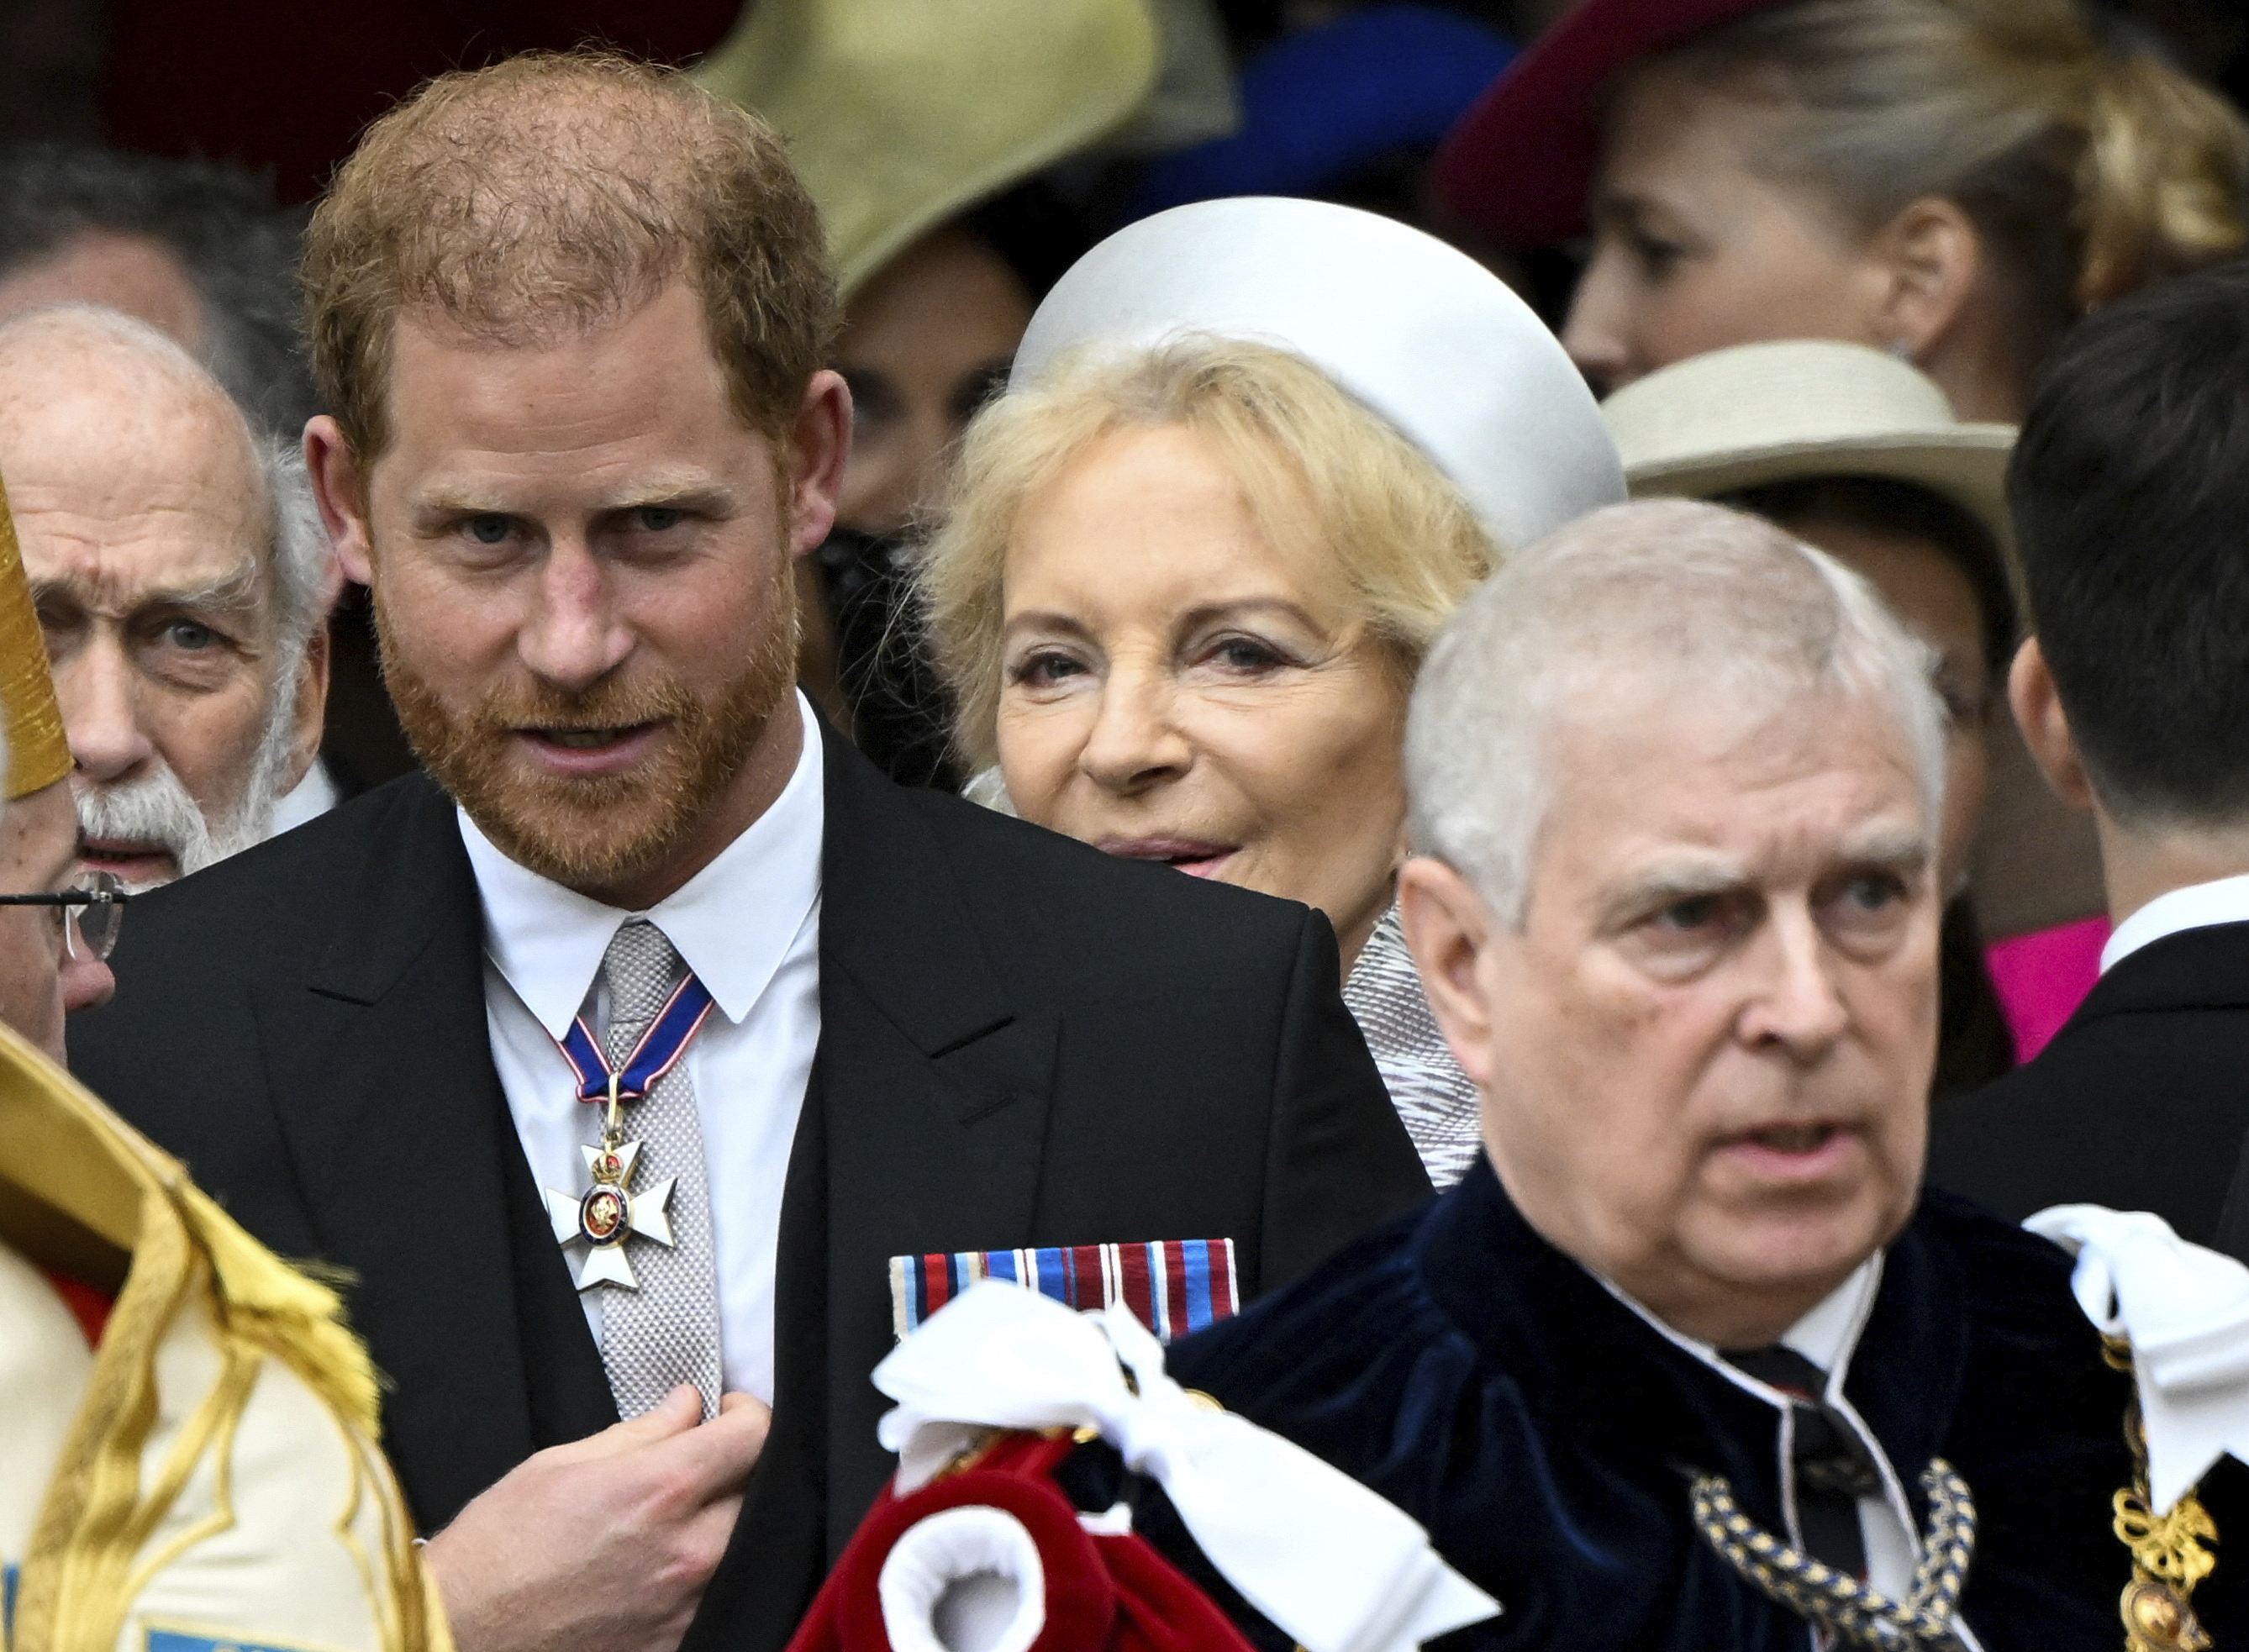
column 182, row 576
column 1685, row 1362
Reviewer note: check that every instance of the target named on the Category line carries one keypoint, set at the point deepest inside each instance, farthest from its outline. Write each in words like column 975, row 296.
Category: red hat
column 1520, row 163
column 1046, row 1582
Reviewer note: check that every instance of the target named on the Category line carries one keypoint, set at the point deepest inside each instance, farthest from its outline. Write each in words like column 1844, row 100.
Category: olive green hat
column 901, row 115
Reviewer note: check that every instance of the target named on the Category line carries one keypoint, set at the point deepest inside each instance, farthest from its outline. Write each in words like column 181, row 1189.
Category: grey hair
column 1714, row 599
column 300, row 558
column 236, row 246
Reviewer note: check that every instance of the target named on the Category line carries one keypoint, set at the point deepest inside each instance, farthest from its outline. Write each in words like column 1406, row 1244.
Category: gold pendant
column 2170, row 1551
column 610, row 1212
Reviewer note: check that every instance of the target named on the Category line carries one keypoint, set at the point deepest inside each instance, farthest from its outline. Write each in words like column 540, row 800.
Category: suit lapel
column 381, row 1068
column 936, row 1089
column 776, row 1558
column 923, row 1126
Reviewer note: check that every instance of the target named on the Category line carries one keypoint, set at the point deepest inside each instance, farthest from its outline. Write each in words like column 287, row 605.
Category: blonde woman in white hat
column 1253, row 454
column 1854, row 451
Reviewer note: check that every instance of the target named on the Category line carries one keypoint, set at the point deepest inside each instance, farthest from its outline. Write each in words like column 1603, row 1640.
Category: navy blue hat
column 1322, row 104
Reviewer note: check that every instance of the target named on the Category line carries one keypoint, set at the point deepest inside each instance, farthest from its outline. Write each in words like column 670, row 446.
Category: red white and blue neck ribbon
column 658, row 1052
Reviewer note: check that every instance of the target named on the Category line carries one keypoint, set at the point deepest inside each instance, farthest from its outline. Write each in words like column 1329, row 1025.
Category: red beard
column 593, row 832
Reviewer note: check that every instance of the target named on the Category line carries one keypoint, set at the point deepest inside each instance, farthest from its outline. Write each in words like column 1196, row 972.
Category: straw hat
column 1760, row 413
column 1421, row 333
column 902, row 113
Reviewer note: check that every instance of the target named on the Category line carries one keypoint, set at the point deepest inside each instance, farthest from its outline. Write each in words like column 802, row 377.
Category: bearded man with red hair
column 652, row 1057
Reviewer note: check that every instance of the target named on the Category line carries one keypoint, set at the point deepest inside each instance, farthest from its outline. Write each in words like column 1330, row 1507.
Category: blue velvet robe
column 1545, row 1433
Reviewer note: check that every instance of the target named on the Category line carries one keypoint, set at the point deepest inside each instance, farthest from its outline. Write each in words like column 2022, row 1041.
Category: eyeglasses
column 88, row 916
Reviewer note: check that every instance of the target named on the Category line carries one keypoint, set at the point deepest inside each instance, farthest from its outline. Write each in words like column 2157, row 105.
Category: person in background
column 2130, row 486
column 1853, row 451
column 178, row 1398
column 1955, row 182
column 1252, row 452
column 1689, row 1361
column 199, row 250
column 182, row 579
column 928, row 340
column 722, row 1054
column 195, row 249
column 920, row 135
column 925, row 342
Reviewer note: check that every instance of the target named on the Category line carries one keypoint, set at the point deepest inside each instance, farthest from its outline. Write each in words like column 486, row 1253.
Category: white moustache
column 156, row 809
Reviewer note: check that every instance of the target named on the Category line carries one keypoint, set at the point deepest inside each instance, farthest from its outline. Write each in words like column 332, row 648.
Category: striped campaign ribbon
column 1175, row 1287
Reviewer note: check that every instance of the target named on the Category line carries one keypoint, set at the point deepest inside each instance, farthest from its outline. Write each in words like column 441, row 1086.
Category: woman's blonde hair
column 2090, row 167
column 1305, row 453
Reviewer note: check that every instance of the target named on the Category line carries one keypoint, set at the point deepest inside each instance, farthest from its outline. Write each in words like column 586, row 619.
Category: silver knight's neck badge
column 610, row 1212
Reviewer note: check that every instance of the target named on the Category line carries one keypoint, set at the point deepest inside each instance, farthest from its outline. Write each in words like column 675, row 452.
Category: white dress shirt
column 748, row 925
column 2220, row 901
column 1828, row 1336
column 309, row 799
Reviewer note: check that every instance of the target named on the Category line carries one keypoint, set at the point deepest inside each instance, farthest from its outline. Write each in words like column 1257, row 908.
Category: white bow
column 1331, row 1563
column 2186, row 1310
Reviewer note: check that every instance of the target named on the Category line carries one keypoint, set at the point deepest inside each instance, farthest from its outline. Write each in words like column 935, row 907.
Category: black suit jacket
column 2141, row 1102
column 1022, row 1043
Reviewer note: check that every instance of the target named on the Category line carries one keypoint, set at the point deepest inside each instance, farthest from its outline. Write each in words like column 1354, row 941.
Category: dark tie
column 1831, row 1467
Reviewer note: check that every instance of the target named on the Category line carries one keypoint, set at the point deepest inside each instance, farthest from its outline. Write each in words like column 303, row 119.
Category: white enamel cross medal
column 610, row 1212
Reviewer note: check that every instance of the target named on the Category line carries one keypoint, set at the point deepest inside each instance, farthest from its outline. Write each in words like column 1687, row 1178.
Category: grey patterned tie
column 666, row 1333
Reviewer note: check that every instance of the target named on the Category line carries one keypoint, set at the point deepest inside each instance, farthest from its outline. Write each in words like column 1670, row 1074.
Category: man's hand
column 603, row 1545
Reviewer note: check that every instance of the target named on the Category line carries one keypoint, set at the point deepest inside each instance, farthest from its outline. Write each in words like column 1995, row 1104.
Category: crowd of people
column 1139, row 902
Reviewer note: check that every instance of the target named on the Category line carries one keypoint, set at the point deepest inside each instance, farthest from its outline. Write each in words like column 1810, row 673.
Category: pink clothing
column 2044, row 976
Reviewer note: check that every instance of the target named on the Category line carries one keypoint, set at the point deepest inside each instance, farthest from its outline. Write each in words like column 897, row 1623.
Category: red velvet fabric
column 1104, row 1594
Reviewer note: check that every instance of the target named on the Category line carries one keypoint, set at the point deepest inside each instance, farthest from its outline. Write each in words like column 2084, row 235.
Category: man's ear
column 821, row 445
column 1932, row 255
column 1447, row 926
column 311, row 709
column 341, row 492
column 2036, row 705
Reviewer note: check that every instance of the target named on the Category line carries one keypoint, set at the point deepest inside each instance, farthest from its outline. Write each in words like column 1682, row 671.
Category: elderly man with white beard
column 182, row 576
